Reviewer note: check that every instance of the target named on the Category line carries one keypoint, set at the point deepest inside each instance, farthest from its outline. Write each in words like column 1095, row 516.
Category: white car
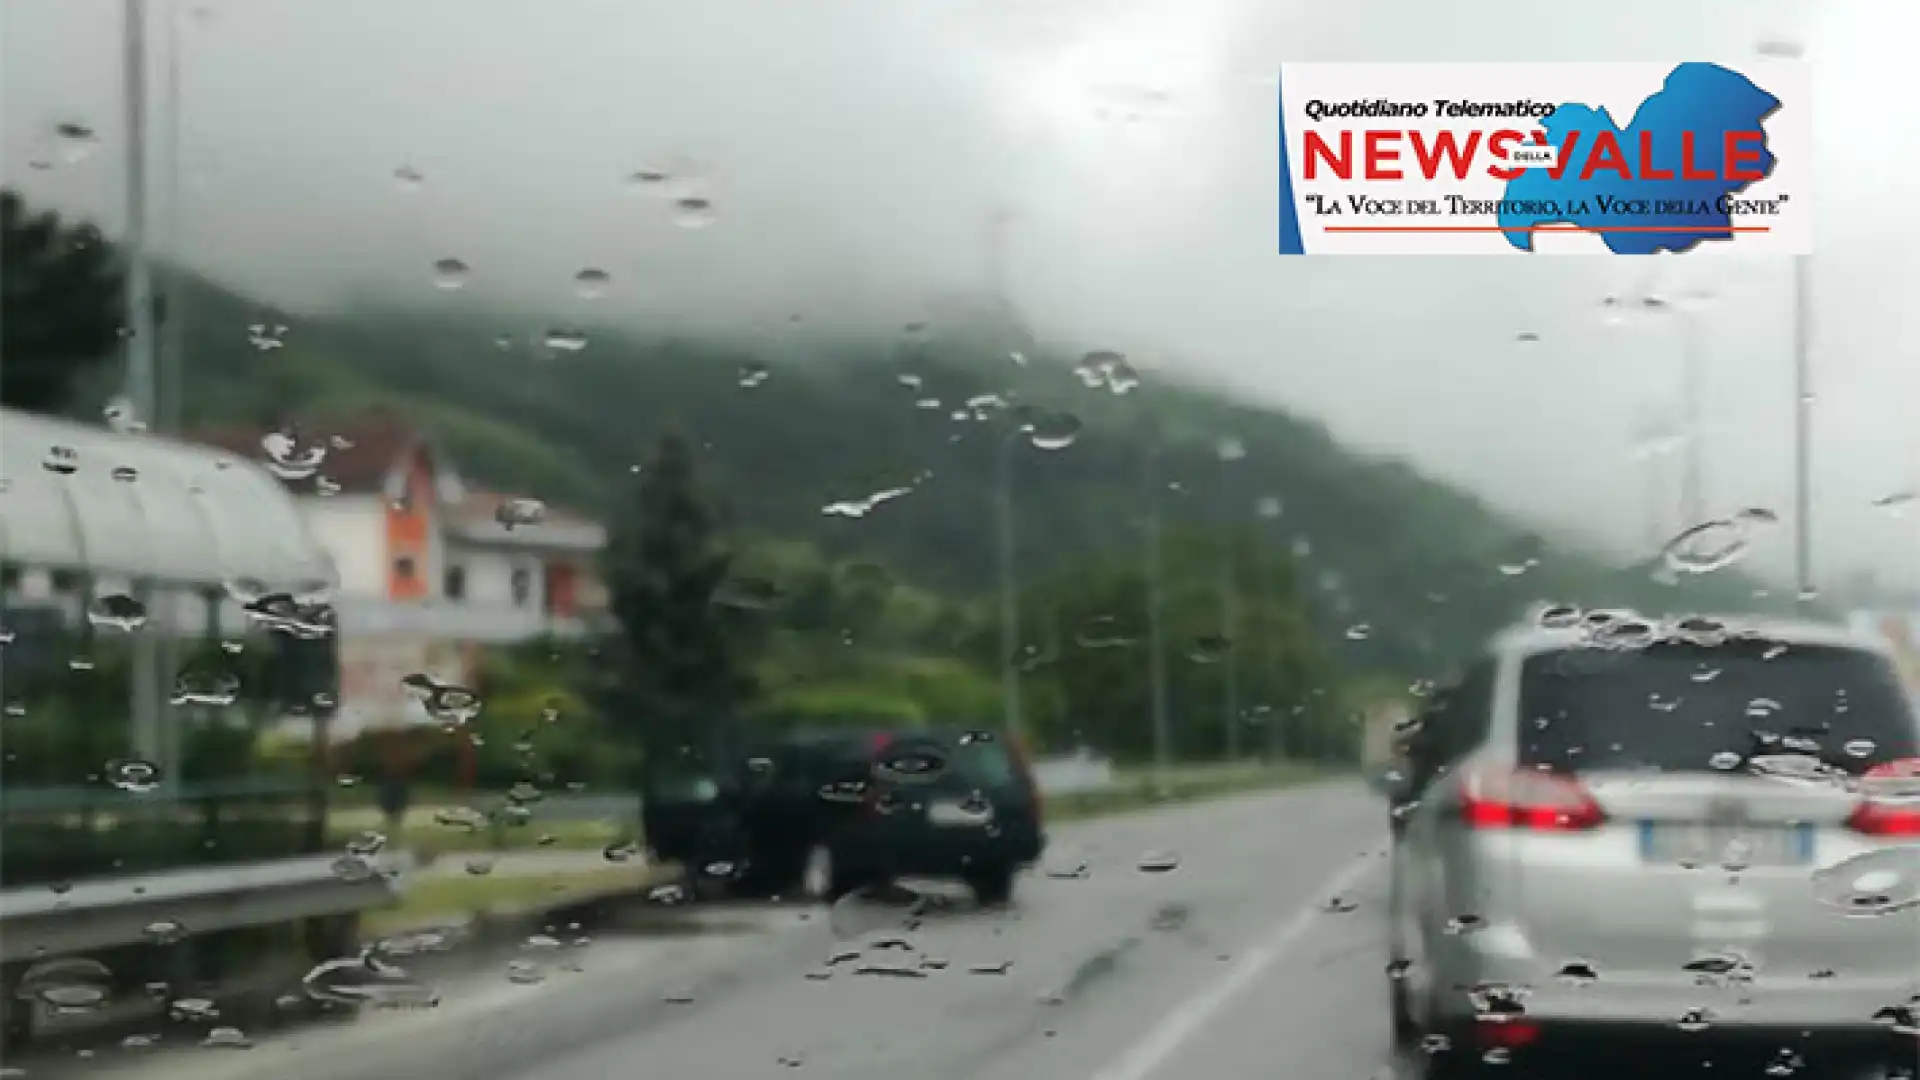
column 1698, row 837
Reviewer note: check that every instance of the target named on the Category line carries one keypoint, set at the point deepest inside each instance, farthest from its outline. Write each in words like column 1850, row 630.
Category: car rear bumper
column 1500, row 956
column 1599, row 1048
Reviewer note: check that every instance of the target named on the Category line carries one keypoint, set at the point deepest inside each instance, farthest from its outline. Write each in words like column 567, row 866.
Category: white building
column 428, row 572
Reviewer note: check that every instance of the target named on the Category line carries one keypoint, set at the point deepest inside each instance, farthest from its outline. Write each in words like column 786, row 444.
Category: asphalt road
column 1226, row 967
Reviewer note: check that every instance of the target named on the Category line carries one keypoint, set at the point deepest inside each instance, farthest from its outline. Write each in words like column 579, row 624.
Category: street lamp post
column 1787, row 49
column 1230, row 450
column 1012, row 717
column 1802, row 430
column 1156, row 653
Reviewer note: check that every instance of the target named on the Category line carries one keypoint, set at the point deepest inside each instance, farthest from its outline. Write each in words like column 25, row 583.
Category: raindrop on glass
column 450, row 274
column 1054, row 430
column 117, row 611
column 138, row 777
column 1159, row 862
column 693, row 212
column 567, row 341
column 591, row 283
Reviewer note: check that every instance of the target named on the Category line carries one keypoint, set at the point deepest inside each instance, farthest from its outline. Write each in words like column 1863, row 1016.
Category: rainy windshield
column 985, row 540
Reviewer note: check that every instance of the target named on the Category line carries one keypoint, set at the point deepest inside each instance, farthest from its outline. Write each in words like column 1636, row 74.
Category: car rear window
column 985, row 763
column 1684, row 707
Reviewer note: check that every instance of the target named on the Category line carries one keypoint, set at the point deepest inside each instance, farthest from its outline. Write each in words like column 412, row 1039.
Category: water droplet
column 290, row 458
column 859, row 508
column 164, row 931
column 408, row 178
column 1705, row 548
column 367, row 844
column 189, row 1009
column 1873, row 883
column 1103, row 632
column 566, row 341
column 1054, row 431
column 450, row 274
column 267, row 337
column 592, row 282
column 61, row 460
column 368, row 980
column 479, row 865
column 77, row 140
column 1559, row 616
column 1527, row 337
column 1210, row 649
column 621, row 851
column 752, row 375
column 1725, row 760
column 230, row 1038
column 205, row 687
column 1578, row 973
column 122, row 417
column 693, row 212
column 1359, row 632
column 1159, row 862
column 463, row 818
column 512, row 513
column 67, row 985
column 117, row 611
column 135, row 776
column 1860, row 748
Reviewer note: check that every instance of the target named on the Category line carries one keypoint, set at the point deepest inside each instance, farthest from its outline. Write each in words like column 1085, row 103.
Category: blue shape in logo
column 1706, row 100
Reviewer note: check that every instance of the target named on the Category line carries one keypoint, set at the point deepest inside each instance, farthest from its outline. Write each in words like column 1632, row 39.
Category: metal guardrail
column 107, row 912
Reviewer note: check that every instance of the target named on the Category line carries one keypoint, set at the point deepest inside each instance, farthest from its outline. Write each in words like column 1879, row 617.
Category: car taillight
column 1884, row 819
column 1890, row 807
column 1527, row 799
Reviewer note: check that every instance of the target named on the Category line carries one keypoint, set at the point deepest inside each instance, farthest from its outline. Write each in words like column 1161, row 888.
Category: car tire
column 1406, row 1033
column 993, row 888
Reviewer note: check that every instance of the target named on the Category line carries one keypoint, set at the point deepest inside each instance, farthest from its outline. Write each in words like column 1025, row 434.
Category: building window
column 455, row 584
column 403, row 568
column 522, row 586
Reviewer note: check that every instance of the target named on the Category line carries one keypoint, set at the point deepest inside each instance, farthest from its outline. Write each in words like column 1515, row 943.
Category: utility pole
column 1156, row 651
column 1012, row 717
column 1803, row 430
column 148, row 740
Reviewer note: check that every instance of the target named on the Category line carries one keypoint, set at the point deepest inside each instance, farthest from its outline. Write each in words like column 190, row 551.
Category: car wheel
column 992, row 888
column 1406, row 1033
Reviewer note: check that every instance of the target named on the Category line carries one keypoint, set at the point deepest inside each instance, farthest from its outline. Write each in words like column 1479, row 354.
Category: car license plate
column 1732, row 847
column 954, row 815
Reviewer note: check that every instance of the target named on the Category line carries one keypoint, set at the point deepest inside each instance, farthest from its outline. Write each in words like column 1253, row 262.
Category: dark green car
column 823, row 813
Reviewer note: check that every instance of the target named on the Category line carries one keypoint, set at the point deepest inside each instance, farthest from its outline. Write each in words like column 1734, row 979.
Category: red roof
column 361, row 449
column 480, row 507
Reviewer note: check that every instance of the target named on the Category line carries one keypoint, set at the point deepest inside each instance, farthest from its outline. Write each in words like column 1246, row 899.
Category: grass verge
column 1136, row 790
column 435, row 900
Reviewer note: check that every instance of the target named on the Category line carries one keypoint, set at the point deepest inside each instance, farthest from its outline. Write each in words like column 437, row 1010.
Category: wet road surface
column 1226, row 966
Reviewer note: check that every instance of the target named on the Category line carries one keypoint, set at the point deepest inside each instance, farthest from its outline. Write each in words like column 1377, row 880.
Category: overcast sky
column 855, row 150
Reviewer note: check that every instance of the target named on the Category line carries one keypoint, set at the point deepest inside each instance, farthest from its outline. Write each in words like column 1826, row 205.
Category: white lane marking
column 1193, row 1014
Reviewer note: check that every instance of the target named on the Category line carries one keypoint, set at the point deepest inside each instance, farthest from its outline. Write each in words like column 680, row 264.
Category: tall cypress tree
column 676, row 670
